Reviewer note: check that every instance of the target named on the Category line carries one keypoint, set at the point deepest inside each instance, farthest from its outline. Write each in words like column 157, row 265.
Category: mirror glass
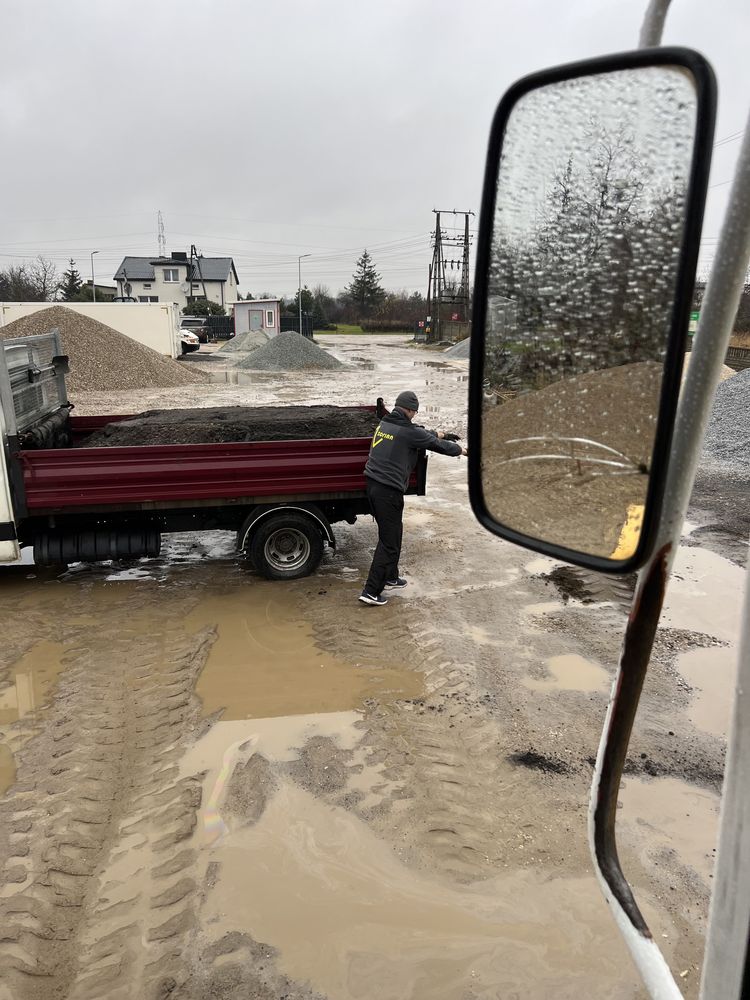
column 587, row 233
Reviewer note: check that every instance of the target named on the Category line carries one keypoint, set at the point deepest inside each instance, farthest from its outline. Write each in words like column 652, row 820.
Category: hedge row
column 386, row 326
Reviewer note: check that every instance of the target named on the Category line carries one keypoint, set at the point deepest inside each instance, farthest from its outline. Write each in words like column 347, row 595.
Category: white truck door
column 9, row 548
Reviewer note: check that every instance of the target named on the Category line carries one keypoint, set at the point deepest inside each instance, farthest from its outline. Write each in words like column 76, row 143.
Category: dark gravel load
column 288, row 352
column 235, row 423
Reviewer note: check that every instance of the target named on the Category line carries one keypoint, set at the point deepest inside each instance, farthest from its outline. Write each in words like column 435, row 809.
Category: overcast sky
column 267, row 130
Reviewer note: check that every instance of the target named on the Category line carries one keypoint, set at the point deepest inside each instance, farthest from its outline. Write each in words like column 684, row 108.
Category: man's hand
column 465, row 452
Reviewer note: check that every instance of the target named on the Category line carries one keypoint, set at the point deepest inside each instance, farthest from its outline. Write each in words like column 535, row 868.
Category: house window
column 269, row 317
column 145, row 285
column 171, row 274
column 148, row 298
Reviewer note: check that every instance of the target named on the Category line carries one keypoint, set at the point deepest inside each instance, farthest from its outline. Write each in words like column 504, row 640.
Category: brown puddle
column 705, row 594
column 352, row 921
column 265, row 662
column 570, row 672
column 30, row 682
column 712, row 673
column 673, row 815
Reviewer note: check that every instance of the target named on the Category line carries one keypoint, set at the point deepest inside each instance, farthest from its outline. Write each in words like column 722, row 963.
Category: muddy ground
column 218, row 786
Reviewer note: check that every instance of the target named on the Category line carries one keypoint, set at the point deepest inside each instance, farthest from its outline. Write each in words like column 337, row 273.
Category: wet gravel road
column 217, row 786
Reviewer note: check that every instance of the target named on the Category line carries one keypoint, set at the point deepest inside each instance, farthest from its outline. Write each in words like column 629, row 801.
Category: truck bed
column 169, row 476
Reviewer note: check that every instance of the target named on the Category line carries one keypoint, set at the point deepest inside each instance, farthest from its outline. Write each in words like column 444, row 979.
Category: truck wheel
column 286, row 547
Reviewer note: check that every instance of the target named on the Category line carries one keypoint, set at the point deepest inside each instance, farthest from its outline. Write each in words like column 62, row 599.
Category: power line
column 729, row 138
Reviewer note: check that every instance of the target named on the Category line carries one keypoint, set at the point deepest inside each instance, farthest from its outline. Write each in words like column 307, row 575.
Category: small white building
column 258, row 314
column 173, row 279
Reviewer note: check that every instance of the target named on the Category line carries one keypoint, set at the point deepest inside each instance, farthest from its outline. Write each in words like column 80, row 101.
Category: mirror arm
column 610, row 762
column 726, row 948
column 653, row 24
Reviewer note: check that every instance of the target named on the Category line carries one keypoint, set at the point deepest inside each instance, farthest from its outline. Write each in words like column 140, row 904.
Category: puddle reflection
column 265, row 661
column 30, row 683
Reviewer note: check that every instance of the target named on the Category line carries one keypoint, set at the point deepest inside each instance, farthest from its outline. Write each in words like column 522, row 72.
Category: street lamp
column 93, row 281
column 299, row 287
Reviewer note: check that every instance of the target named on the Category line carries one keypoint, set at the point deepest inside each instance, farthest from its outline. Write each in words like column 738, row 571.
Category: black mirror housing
column 653, row 463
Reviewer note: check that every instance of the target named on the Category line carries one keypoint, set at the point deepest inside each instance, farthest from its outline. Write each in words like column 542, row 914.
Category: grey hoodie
column 395, row 448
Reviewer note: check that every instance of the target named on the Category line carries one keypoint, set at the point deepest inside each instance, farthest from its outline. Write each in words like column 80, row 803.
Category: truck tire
column 286, row 546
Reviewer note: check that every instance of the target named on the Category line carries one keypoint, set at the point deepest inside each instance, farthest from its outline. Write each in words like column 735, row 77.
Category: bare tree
column 35, row 282
column 43, row 275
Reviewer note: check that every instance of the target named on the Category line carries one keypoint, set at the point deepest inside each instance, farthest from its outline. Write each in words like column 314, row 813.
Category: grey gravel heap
column 459, row 350
column 289, row 352
column 247, row 341
column 727, row 445
column 101, row 359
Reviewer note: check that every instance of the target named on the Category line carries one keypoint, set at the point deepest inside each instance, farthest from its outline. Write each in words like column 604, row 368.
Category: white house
column 173, row 279
column 258, row 314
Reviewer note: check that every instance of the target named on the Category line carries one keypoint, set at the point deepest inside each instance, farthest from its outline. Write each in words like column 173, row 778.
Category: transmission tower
column 161, row 235
column 448, row 289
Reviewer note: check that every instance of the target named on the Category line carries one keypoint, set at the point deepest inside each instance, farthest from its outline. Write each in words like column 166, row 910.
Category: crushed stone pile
column 235, row 423
column 580, row 407
column 460, row 350
column 289, row 352
column 727, row 444
column 247, row 341
column 101, row 359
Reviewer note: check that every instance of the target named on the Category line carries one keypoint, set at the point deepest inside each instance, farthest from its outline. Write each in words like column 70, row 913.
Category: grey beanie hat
column 407, row 400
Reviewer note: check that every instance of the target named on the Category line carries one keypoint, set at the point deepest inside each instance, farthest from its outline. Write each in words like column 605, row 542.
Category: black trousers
column 387, row 506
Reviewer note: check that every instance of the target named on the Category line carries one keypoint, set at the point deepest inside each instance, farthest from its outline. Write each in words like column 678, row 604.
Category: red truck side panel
column 56, row 479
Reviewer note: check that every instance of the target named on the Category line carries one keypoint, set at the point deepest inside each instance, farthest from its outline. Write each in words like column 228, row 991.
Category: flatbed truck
column 72, row 503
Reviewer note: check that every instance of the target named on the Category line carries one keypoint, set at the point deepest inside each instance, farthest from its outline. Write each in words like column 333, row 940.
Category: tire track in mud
column 95, row 901
column 439, row 751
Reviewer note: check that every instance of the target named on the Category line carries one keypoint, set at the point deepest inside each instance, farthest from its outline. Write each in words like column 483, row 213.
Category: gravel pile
column 459, row 350
column 288, row 352
column 235, row 423
column 574, row 508
column 102, row 359
column 247, row 341
column 727, row 444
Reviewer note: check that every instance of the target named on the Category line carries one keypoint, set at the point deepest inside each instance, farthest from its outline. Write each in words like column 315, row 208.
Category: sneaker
column 371, row 599
column 398, row 582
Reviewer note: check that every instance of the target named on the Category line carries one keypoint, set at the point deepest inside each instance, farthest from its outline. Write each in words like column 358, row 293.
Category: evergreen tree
column 71, row 283
column 307, row 302
column 365, row 291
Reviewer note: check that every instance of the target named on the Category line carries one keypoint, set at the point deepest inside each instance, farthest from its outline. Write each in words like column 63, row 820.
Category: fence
column 292, row 323
column 220, row 327
column 736, row 357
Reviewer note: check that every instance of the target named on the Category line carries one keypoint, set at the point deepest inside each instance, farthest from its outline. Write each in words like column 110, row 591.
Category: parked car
column 189, row 341
column 196, row 325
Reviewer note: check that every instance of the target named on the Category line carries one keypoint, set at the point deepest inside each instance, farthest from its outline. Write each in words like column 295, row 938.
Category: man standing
column 395, row 448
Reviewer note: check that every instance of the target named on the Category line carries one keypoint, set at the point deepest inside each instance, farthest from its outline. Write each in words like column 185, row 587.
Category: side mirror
column 588, row 243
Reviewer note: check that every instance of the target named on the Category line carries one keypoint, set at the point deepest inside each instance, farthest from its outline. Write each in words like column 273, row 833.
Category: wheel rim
column 287, row 549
